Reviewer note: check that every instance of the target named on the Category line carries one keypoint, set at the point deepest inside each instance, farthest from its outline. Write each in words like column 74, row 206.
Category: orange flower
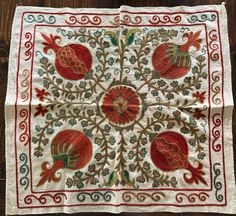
column 41, row 93
column 40, row 110
column 198, row 114
column 200, row 96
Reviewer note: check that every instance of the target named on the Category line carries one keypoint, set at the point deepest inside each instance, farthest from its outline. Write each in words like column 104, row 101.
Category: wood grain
column 7, row 8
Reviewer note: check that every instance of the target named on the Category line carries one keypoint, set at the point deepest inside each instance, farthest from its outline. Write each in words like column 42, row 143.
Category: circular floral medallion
column 121, row 105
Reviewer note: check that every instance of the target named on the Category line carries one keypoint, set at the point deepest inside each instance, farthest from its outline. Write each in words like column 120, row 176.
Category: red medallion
column 121, row 105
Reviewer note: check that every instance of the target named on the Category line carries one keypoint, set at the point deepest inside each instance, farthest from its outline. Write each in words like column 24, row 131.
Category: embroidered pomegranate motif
column 121, row 105
column 72, row 61
column 70, row 149
column 173, row 61
column 169, row 152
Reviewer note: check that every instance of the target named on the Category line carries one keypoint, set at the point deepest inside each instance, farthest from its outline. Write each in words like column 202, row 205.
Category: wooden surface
column 7, row 8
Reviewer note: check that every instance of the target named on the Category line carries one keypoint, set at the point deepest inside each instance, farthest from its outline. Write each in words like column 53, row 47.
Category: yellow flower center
column 120, row 105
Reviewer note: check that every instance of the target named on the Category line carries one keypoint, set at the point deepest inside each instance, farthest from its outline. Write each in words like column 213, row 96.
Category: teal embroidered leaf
column 114, row 37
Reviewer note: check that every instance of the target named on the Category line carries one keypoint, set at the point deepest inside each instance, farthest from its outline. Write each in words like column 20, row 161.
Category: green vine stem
column 185, row 106
column 97, row 172
column 138, row 159
column 121, row 159
column 121, row 52
column 55, row 103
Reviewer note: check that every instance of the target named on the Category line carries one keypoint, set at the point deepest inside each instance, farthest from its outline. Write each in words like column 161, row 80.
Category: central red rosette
column 121, row 105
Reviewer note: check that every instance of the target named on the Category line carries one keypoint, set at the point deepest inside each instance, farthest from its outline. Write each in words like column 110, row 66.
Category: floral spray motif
column 72, row 62
column 70, row 149
column 169, row 152
column 173, row 61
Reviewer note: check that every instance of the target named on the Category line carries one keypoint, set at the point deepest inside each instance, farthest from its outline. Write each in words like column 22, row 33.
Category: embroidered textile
column 117, row 110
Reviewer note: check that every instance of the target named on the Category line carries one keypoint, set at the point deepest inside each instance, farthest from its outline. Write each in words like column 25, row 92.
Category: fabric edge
column 123, row 7
column 228, row 113
column 9, row 111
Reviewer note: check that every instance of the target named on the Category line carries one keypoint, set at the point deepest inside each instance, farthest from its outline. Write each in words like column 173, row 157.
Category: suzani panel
column 116, row 110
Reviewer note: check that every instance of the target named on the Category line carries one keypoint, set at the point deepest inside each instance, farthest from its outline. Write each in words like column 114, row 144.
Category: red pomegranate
column 72, row 62
column 173, row 61
column 70, row 149
column 169, row 152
